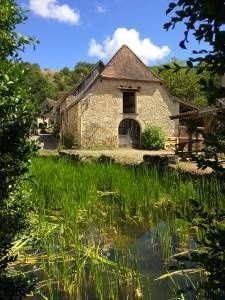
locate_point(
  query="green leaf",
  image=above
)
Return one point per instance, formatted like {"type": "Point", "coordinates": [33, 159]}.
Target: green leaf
{"type": "Point", "coordinates": [189, 64]}
{"type": "Point", "coordinates": [182, 44]}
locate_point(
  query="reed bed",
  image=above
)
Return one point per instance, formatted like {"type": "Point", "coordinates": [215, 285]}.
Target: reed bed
{"type": "Point", "coordinates": [90, 220]}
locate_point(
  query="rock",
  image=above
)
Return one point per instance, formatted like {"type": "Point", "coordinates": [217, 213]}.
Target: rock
{"type": "Point", "coordinates": [106, 159]}
{"type": "Point", "coordinates": [160, 160]}
{"type": "Point", "coordinates": [71, 156]}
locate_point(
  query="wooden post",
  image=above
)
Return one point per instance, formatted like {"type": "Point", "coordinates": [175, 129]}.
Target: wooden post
{"type": "Point", "coordinates": [190, 142]}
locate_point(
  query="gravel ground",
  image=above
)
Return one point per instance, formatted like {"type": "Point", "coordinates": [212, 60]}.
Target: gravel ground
{"type": "Point", "coordinates": [191, 167]}
{"type": "Point", "coordinates": [128, 156]}
{"type": "Point", "coordinates": [124, 156]}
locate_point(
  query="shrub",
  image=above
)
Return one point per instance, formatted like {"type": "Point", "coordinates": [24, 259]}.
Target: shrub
{"type": "Point", "coordinates": [153, 138]}
{"type": "Point", "coordinates": [16, 117]}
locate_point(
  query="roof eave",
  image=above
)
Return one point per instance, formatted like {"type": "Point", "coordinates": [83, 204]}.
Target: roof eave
{"type": "Point", "coordinates": [83, 94]}
{"type": "Point", "coordinates": [78, 84]}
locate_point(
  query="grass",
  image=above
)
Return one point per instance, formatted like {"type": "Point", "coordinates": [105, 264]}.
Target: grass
{"type": "Point", "coordinates": [88, 220]}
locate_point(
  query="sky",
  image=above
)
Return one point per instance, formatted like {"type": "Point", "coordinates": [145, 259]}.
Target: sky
{"type": "Point", "coordinates": [70, 31]}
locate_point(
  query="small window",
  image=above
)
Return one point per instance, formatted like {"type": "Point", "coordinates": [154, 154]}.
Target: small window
{"type": "Point", "coordinates": [128, 102]}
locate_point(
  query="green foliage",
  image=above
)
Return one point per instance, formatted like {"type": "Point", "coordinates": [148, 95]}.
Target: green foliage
{"type": "Point", "coordinates": [38, 85]}
{"type": "Point", "coordinates": [15, 150]}
{"type": "Point", "coordinates": [51, 84]}
{"type": "Point", "coordinates": [65, 79]}
{"type": "Point", "coordinates": [71, 199]}
{"type": "Point", "coordinates": [205, 19]}
{"type": "Point", "coordinates": [81, 70]}
{"type": "Point", "coordinates": [153, 138]}
{"type": "Point", "coordinates": [209, 229]}
{"type": "Point", "coordinates": [11, 15]}
{"type": "Point", "coordinates": [183, 84]}
{"type": "Point", "coordinates": [215, 145]}
{"type": "Point", "coordinates": [186, 84]}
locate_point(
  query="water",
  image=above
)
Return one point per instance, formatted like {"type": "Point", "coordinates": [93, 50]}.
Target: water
{"type": "Point", "coordinates": [144, 252]}
{"type": "Point", "coordinates": [107, 232]}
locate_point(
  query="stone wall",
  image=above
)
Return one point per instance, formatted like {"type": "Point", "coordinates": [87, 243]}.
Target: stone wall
{"type": "Point", "coordinates": [70, 124]}
{"type": "Point", "coordinates": [97, 117]}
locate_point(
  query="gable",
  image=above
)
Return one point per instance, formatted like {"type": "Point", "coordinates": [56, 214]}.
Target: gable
{"type": "Point", "coordinates": [126, 65]}
{"type": "Point", "coordinates": [47, 105]}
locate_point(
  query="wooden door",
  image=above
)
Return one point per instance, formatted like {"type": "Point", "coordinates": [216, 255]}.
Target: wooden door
{"type": "Point", "coordinates": [129, 134]}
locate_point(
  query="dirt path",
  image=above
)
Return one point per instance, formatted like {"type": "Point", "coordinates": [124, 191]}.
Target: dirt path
{"type": "Point", "coordinates": [133, 156]}
{"type": "Point", "coordinates": [47, 141]}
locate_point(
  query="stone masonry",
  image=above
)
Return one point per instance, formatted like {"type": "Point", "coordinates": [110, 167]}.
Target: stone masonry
{"type": "Point", "coordinates": [94, 121]}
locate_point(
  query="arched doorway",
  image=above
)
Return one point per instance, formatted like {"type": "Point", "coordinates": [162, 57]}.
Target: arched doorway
{"type": "Point", "coordinates": [129, 133]}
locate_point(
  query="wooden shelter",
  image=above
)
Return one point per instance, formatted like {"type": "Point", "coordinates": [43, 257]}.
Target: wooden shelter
{"type": "Point", "coordinates": [190, 142]}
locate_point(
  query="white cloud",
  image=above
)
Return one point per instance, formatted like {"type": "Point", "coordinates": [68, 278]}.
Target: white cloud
{"type": "Point", "coordinates": [143, 48]}
{"type": "Point", "coordinates": [53, 10]}
{"type": "Point", "coordinates": [100, 9]}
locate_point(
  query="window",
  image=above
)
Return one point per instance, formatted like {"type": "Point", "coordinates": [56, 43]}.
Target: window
{"type": "Point", "coordinates": [129, 102]}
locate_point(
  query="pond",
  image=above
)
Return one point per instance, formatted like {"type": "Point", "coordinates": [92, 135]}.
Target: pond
{"type": "Point", "coordinates": [107, 231]}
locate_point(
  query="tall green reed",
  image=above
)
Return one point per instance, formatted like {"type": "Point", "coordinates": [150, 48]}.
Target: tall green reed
{"type": "Point", "coordinates": [86, 211]}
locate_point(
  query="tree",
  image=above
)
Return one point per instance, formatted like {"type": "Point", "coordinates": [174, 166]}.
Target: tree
{"type": "Point", "coordinates": [38, 85]}
{"type": "Point", "coordinates": [50, 84]}
{"type": "Point", "coordinates": [206, 19]}
{"type": "Point", "coordinates": [81, 70]}
{"type": "Point", "coordinates": [208, 258]}
{"type": "Point", "coordinates": [15, 150]}
{"type": "Point", "coordinates": [184, 85]}
{"type": "Point", "coordinates": [65, 79]}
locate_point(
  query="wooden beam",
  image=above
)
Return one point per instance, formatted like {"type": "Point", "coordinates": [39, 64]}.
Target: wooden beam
{"type": "Point", "coordinates": [199, 113]}
{"type": "Point", "coordinates": [129, 88]}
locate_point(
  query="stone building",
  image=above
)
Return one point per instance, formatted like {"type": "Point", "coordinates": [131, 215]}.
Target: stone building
{"type": "Point", "coordinates": [112, 106]}
{"type": "Point", "coordinates": [46, 113]}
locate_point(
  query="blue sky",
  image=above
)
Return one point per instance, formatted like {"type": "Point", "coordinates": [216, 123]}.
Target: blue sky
{"type": "Point", "coordinates": [87, 30]}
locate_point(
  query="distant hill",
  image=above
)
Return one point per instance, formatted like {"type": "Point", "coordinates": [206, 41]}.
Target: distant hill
{"type": "Point", "coordinates": [49, 73]}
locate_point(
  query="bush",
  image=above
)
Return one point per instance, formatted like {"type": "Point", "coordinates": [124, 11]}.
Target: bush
{"type": "Point", "coordinates": [16, 117]}
{"type": "Point", "coordinates": [153, 138]}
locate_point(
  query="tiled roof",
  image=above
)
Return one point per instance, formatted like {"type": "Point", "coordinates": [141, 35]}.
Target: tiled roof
{"type": "Point", "coordinates": [126, 65]}
{"type": "Point", "coordinates": [84, 84]}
